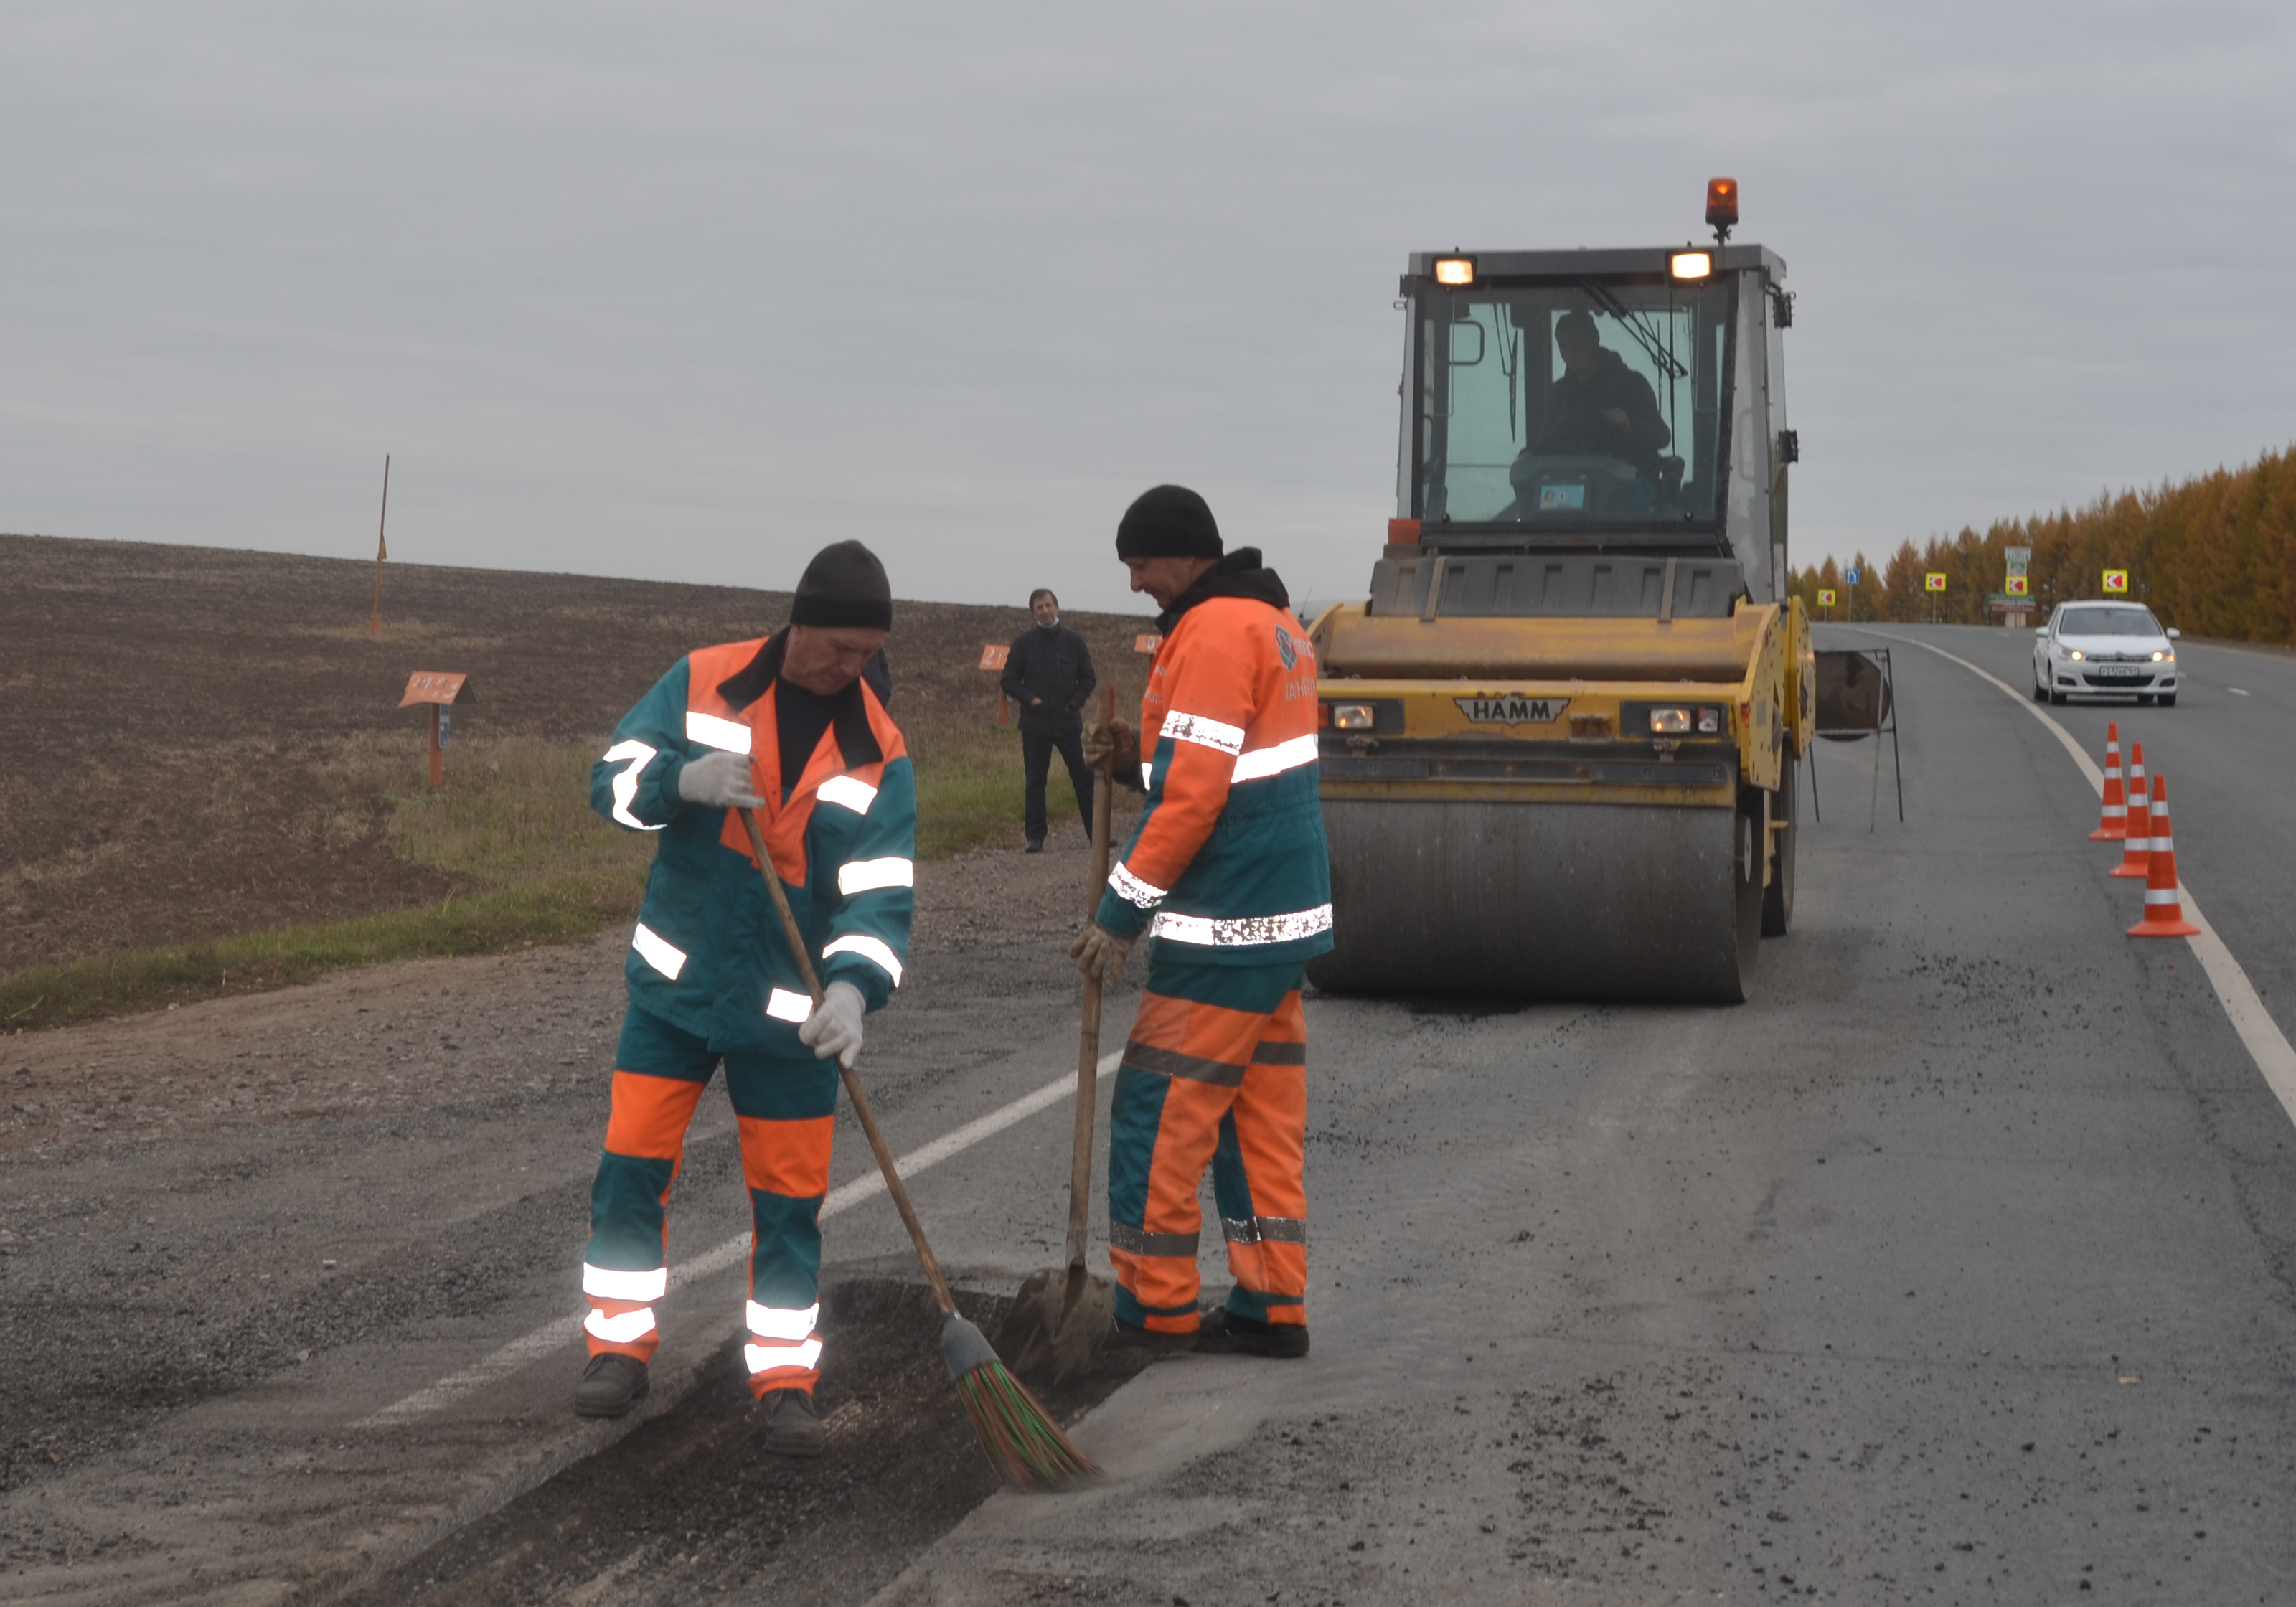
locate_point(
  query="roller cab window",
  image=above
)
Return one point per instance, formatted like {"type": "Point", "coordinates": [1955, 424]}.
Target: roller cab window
{"type": "Point", "coordinates": [1573, 405]}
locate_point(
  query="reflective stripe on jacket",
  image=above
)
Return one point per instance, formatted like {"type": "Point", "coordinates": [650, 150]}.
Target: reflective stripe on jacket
{"type": "Point", "coordinates": [1229, 861]}
{"type": "Point", "coordinates": [708, 955]}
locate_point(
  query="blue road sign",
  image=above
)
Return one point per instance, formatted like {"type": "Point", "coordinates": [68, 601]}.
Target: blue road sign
{"type": "Point", "coordinates": [1851, 577]}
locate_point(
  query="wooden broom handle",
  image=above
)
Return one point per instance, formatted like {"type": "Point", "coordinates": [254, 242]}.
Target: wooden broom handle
{"type": "Point", "coordinates": [893, 1184]}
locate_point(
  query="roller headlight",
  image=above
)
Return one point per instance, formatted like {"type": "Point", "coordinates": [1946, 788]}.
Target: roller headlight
{"type": "Point", "coordinates": [1351, 716]}
{"type": "Point", "coordinates": [1670, 722]}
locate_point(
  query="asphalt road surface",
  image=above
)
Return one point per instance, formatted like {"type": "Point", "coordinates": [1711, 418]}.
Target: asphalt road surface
{"type": "Point", "coordinates": [1955, 1268]}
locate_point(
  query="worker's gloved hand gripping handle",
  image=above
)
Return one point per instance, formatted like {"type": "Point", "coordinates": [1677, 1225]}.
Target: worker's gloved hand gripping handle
{"type": "Point", "coordinates": [719, 780]}
{"type": "Point", "coordinates": [1100, 953]}
{"type": "Point", "coordinates": [834, 1027]}
{"type": "Point", "coordinates": [1112, 746]}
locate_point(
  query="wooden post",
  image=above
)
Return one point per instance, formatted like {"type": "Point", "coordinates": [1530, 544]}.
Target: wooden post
{"type": "Point", "coordinates": [374, 620]}
{"type": "Point", "coordinates": [438, 753]}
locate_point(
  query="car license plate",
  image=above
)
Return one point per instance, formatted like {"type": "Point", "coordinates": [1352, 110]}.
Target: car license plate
{"type": "Point", "coordinates": [2116, 675]}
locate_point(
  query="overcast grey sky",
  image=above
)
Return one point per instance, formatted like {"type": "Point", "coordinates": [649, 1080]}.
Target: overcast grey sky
{"type": "Point", "coordinates": [683, 291]}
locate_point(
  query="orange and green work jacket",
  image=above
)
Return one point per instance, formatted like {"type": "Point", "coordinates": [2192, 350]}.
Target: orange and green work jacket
{"type": "Point", "coordinates": [1228, 865]}
{"type": "Point", "coordinates": [708, 955]}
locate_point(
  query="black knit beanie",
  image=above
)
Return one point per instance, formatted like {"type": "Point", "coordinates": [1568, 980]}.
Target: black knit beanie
{"type": "Point", "coordinates": [1168, 521]}
{"type": "Point", "coordinates": [844, 587]}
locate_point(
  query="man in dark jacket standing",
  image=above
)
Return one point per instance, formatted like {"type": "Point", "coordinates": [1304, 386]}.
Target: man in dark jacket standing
{"type": "Point", "coordinates": [1048, 675]}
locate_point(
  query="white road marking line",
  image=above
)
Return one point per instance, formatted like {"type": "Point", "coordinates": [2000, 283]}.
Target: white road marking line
{"type": "Point", "coordinates": [562, 1331]}
{"type": "Point", "coordinates": [2267, 1044]}
{"type": "Point", "coordinates": [2238, 691]}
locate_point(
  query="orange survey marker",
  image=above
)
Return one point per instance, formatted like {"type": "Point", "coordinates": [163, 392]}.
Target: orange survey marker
{"type": "Point", "coordinates": [441, 691]}
{"type": "Point", "coordinates": [2164, 907]}
{"type": "Point", "coordinates": [993, 657]}
{"type": "Point", "coordinates": [2112, 825]}
{"type": "Point", "coordinates": [2137, 847]}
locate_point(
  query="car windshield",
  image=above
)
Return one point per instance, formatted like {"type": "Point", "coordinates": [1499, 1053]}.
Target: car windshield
{"type": "Point", "coordinates": [2123, 619]}
{"type": "Point", "coordinates": [1561, 404]}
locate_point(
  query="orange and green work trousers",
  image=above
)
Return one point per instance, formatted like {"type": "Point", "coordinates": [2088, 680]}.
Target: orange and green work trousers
{"type": "Point", "coordinates": [786, 1110]}
{"type": "Point", "coordinates": [1215, 1072]}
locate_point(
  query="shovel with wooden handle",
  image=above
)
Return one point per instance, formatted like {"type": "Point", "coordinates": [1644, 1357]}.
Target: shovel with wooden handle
{"type": "Point", "coordinates": [1063, 1314]}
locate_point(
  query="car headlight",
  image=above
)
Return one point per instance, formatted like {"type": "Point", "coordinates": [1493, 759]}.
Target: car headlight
{"type": "Point", "coordinates": [2074, 654]}
{"type": "Point", "coordinates": [2158, 655]}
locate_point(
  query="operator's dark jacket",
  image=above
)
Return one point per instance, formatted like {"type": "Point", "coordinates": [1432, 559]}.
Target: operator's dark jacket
{"type": "Point", "coordinates": [1575, 407]}
{"type": "Point", "coordinates": [1053, 665]}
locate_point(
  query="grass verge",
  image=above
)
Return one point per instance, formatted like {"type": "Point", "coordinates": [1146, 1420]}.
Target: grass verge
{"type": "Point", "coordinates": [546, 912]}
{"type": "Point", "coordinates": [533, 865]}
{"type": "Point", "coordinates": [969, 794]}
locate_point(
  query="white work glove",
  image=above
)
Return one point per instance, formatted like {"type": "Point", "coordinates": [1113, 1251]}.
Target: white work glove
{"type": "Point", "coordinates": [834, 1027]}
{"type": "Point", "coordinates": [720, 780]}
{"type": "Point", "coordinates": [1099, 952]}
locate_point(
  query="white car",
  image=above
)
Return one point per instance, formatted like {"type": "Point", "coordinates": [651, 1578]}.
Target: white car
{"type": "Point", "coordinates": [2104, 647]}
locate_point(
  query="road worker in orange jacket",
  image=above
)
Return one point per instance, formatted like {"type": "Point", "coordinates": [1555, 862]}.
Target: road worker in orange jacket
{"type": "Point", "coordinates": [1228, 875]}
{"type": "Point", "coordinates": [794, 728]}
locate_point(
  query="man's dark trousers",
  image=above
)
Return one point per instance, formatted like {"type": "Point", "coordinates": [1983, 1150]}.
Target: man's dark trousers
{"type": "Point", "coordinates": [1037, 750]}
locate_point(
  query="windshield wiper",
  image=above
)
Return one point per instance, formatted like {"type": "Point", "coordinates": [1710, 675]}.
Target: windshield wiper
{"type": "Point", "coordinates": [1645, 336]}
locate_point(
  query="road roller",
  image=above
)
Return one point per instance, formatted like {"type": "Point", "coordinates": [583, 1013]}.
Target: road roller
{"type": "Point", "coordinates": [1559, 740]}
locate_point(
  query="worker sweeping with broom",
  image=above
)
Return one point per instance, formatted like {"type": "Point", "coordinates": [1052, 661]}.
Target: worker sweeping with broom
{"type": "Point", "coordinates": [782, 741]}
{"type": "Point", "coordinates": [1228, 875]}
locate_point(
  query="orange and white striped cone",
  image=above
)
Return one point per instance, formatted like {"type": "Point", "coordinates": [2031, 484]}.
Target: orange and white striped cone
{"type": "Point", "coordinates": [2164, 907]}
{"type": "Point", "coordinates": [2137, 847]}
{"type": "Point", "coordinates": [2112, 824]}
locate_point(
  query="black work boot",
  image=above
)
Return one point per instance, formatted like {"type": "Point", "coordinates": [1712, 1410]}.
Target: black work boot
{"type": "Point", "coordinates": [1124, 1336]}
{"type": "Point", "coordinates": [793, 1427]}
{"type": "Point", "coordinates": [612, 1385]}
{"type": "Point", "coordinates": [1223, 1333]}
{"type": "Point", "coordinates": [1036, 846]}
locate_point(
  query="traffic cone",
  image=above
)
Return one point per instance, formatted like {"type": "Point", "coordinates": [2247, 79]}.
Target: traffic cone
{"type": "Point", "coordinates": [2136, 847]}
{"type": "Point", "coordinates": [2164, 909]}
{"type": "Point", "coordinates": [2112, 825]}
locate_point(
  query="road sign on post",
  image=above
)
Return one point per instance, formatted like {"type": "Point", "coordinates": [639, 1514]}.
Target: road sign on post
{"type": "Point", "coordinates": [2014, 585]}
{"type": "Point", "coordinates": [993, 657]}
{"type": "Point", "coordinates": [2016, 560]}
{"type": "Point", "coordinates": [1933, 582]}
{"type": "Point", "coordinates": [1825, 600]}
{"type": "Point", "coordinates": [442, 691]}
{"type": "Point", "coordinates": [2116, 580]}
{"type": "Point", "coordinates": [1147, 642]}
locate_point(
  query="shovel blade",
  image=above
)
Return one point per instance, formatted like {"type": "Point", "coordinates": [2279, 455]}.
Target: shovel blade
{"type": "Point", "coordinates": [1058, 1323]}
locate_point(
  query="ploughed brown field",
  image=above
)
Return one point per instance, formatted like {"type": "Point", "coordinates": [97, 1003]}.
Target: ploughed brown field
{"type": "Point", "coordinates": [200, 740]}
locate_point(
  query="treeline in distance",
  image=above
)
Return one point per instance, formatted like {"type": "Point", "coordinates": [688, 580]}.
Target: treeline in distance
{"type": "Point", "coordinates": [2215, 556]}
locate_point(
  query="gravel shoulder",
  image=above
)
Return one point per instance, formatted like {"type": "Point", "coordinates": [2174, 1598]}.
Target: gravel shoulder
{"type": "Point", "coordinates": [230, 1232]}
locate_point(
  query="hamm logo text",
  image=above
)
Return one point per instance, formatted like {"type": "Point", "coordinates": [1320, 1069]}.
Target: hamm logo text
{"type": "Point", "coordinates": [1512, 711]}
